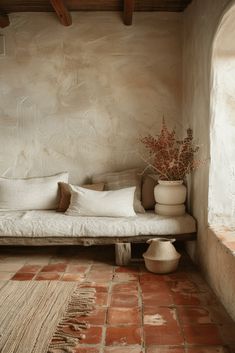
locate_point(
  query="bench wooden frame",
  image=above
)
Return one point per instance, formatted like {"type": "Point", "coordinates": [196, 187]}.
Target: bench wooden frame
{"type": "Point", "coordinates": [122, 244]}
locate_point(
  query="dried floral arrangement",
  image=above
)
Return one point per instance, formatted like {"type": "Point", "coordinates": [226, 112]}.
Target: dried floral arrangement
{"type": "Point", "coordinates": [169, 157]}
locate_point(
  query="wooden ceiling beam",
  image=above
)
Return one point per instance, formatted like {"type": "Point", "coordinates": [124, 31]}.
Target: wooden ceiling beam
{"type": "Point", "coordinates": [4, 21]}
{"type": "Point", "coordinates": [128, 12]}
{"type": "Point", "coordinates": [62, 12]}
{"type": "Point", "coordinates": [8, 6]}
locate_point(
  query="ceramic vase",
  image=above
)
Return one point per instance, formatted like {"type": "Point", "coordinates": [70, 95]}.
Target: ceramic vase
{"type": "Point", "coordinates": [161, 256]}
{"type": "Point", "coordinates": [170, 197]}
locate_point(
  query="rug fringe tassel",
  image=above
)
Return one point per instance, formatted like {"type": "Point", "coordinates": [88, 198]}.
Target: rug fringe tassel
{"type": "Point", "coordinates": [81, 303]}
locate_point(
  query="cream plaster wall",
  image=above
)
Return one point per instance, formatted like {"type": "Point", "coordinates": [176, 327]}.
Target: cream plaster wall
{"type": "Point", "coordinates": [201, 21]}
{"type": "Point", "coordinates": [77, 98]}
{"type": "Point", "coordinates": [222, 170]}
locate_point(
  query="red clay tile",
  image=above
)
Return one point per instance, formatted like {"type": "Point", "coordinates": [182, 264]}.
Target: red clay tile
{"type": "Point", "coordinates": [79, 261]}
{"type": "Point", "coordinates": [59, 267]}
{"type": "Point", "coordinates": [101, 299]}
{"type": "Point", "coordinates": [23, 276]}
{"type": "Point", "coordinates": [208, 298]}
{"type": "Point", "coordinates": [207, 349]}
{"type": "Point", "coordinates": [220, 316]}
{"type": "Point", "coordinates": [101, 271]}
{"type": "Point", "coordinates": [72, 277]}
{"type": "Point", "coordinates": [30, 268]}
{"type": "Point", "coordinates": [165, 349]}
{"type": "Point", "coordinates": [102, 267]}
{"type": "Point", "coordinates": [76, 269]}
{"type": "Point", "coordinates": [127, 269]}
{"type": "Point", "coordinates": [185, 286]}
{"type": "Point", "coordinates": [160, 316]}
{"type": "Point", "coordinates": [121, 316]}
{"type": "Point", "coordinates": [129, 287]}
{"type": "Point", "coordinates": [176, 276]}
{"type": "Point", "coordinates": [99, 287]}
{"type": "Point", "coordinates": [198, 310]}
{"type": "Point", "coordinates": [124, 277]}
{"type": "Point", "coordinates": [93, 335]}
{"type": "Point", "coordinates": [126, 349]}
{"type": "Point", "coordinates": [143, 269]}
{"type": "Point", "coordinates": [186, 298]}
{"type": "Point", "coordinates": [200, 283]}
{"type": "Point", "coordinates": [148, 278]}
{"type": "Point", "coordinates": [161, 327]}
{"type": "Point", "coordinates": [163, 335]}
{"type": "Point", "coordinates": [195, 315]}
{"type": "Point", "coordinates": [47, 276]}
{"type": "Point", "coordinates": [157, 298]}
{"type": "Point", "coordinates": [86, 350]}
{"type": "Point", "coordinates": [99, 277]}
{"type": "Point", "coordinates": [202, 334]}
{"type": "Point", "coordinates": [124, 300]}
{"type": "Point", "coordinates": [155, 287]}
{"type": "Point", "coordinates": [97, 317]}
{"type": "Point", "coordinates": [123, 335]}
{"type": "Point", "coordinates": [228, 333]}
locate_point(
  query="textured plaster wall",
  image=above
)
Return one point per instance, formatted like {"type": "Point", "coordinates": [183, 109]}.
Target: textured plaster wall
{"type": "Point", "coordinates": [201, 21]}
{"type": "Point", "coordinates": [222, 170]}
{"type": "Point", "coordinates": [77, 98]}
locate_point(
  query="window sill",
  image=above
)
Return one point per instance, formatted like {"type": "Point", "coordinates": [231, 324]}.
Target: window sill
{"type": "Point", "coordinates": [226, 235]}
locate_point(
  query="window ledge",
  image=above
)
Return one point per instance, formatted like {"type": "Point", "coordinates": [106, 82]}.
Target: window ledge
{"type": "Point", "coordinates": [226, 235]}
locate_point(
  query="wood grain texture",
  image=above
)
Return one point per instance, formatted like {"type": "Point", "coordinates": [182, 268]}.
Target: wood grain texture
{"type": "Point", "coordinates": [94, 5]}
{"type": "Point", "coordinates": [122, 254]}
{"type": "Point", "coordinates": [4, 21]}
{"type": "Point", "coordinates": [88, 241]}
{"type": "Point", "coordinates": [62, 12]}
{"type": "Point", "coordinates": [128, 12]}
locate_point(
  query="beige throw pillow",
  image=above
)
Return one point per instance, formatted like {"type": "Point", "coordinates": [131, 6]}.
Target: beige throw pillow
{"type": "Point", "coordinates": [148, 200]}
{"type": "Point", "coordinates": [65, 194]}
{"type": "Point", "coordinates": [121, 180]}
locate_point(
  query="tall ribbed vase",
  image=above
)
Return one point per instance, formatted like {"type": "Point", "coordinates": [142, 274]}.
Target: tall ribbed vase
{"type": "Point", "coordinates": [170, 197]}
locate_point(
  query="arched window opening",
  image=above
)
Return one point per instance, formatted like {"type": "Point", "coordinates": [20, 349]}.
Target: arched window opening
{"type": "Point", "coordinates": [222, 132]}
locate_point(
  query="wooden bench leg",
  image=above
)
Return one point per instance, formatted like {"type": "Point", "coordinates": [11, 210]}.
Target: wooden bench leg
{"type": "Point", "coordinates": [122, 253]}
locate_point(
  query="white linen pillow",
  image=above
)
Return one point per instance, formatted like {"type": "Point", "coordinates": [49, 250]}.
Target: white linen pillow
{"type": "Point", "coordinates": [123, 179]}
{"type": "Point", "coordinates": [115, 203]}
{"type": "Point", "coordinates": [31, 193]}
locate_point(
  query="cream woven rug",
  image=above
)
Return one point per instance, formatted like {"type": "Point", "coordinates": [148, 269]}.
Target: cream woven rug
{"type": "Point", "coordinates": [34, 316]}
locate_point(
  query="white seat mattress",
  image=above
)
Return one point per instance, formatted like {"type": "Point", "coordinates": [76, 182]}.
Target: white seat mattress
{"type": "Point", "coordinates": [45, 224]}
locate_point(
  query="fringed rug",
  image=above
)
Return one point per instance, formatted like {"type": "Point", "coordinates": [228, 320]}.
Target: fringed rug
{"type": "Point", "coordinates": [43, 317]}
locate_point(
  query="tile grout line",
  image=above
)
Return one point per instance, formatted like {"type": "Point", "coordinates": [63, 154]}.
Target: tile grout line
{"type": "Point", "coordinates": [104, 327]}
{"type": "Point", "coordinates": [141, 308]}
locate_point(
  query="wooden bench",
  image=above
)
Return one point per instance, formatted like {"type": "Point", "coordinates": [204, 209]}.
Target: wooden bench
{"type": "Point", "coordinates": [45, 228]}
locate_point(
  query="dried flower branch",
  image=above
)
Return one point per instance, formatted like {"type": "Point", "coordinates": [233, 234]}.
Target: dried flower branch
{"type": "Point", "coordinates": [169, 157]}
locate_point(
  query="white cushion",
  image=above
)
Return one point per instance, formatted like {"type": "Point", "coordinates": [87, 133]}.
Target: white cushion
{"type": "Point", "coordinates": [51, 227]}
{"type": "Point", "coordinates": [31, 193]}
{"type": "Point", "coordinates": [121, 180]}
{"type": "Point", "coordinates": [116, 203]}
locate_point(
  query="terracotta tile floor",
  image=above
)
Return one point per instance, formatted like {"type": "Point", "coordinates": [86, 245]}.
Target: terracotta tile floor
{"type": "Point", "coordinates": [136, 311]}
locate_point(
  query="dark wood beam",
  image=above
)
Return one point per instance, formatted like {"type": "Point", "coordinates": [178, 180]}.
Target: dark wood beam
{"type": "Point", "coordinates": [8, 6]}
{"type": "Point", "coordinates": [128, 12]}
{"type": "Point", "coordinates": [62, 12]}
{"type": "Point", "coordinates": [4, 21]}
